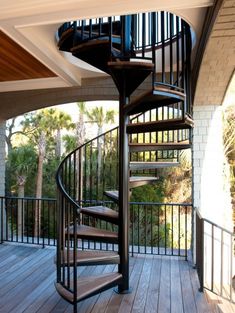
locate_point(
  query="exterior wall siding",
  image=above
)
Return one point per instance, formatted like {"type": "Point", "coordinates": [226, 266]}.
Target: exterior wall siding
{"type": "Point", "coordinates": [211, 188]}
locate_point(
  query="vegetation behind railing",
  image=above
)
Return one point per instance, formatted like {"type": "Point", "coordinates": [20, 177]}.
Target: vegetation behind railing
{"type": "Point", "coordinates": [155, 228]}
{"type": "Point", "coordinates": [18, 217]}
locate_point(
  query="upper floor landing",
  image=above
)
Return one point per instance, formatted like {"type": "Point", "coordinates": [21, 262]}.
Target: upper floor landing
{"type": "Point", "coordinates": [35, 74]}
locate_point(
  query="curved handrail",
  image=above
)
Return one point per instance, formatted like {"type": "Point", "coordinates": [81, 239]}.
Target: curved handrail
{"type": "Point", "coordinates": [58, 177]}
{"type": "Point", "coordinates": [141, 29]}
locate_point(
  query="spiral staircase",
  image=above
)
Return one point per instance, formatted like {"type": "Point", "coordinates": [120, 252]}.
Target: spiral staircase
{"type": "Point", "coordinates": [154, 48]}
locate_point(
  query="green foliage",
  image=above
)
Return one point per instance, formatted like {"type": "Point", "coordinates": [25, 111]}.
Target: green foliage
{"type": "Point", "coordinates": [21, 168]}
{"type": "Point", "coordinates": [101, 117]}
{"type": "Point", "coordinates": [149, 193]}
{"type": "Point", "coordinates": [42, 128]}
{"type": "Point", "coordinates": [70, 143]}
{"type": "Point", "coordinates": [49, 183]}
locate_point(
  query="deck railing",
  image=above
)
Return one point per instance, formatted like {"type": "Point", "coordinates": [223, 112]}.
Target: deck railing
{"type": "Point", "coordinates": [215, 257]}
{"type": "Point", "coordinates": [155, 228]}
{"type": "Point", "coordinates": [18, 220]}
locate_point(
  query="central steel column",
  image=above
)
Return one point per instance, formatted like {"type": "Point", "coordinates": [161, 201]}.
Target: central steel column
{"type": "Point", "coordinates": [123, 193]}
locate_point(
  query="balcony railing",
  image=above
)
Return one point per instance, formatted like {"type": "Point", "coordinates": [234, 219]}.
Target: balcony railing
{"type": "Point", "coordinates": [18, 220]}
{"type": "Point", "coordinates": [155, 228]}
{"type": "Point", "coordinates": [215, 258]}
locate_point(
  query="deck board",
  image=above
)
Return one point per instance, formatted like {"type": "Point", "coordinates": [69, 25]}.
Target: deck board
{"type": "Point", "coordinates": [159, 284]}
{"type": "Point", "coordinates": [187, 291]}
{"type": "Point", "coordinates": [164, 303]}
{"type": "Point", "coordinates": [176, 293]}
{"type": "Point", "coordinates": [154, 286]}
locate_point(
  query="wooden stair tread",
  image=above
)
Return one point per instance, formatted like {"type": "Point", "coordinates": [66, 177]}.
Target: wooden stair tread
{"type": "Point", "coordinates": [90, 257]}
{"type": "Point", "coordinates": [89, 286]}
{"type": "Point", "coordinates": [101, 212]}
{"type": "Point", "coordinates": [137, 181]}
{"type": "Point", "coordinates": [113, 194]}
{"type": "Point", "coordinates": [92, 43]}
{"type": "Point", "coordinates": [131, 65]}
{"type": "Point", "coordinates": [92, 233]}
{"type": "Point", "coordinates": [151, 165]}
{"type": "Point", "coordinates": [135, 147]}
{"type": "Point", "coordinates": [133, 72]}
{"type": "Point", "coordinates": [172, 124]}
{"type": "Point", "coordinates": [154, 98]}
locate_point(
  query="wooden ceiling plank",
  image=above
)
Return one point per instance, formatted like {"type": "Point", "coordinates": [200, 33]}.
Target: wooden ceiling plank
{"type": "Point", "coordinates": [18, 64]}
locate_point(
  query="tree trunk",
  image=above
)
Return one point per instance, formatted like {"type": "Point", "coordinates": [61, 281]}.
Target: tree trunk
{"type": "Point", "coordinates": [58, 144]}
{"type": "Point", "coordinates": [39, 181]}
{"type": "Point", "coordinates": [9, 144]}
{"type": "Point", "coordinates": [99, 156]}
{"type": "Point", "coordinates": [80, 134]}
{"type": "Point", "coordinates": [80, 130]}
{"type": "Point", "coordinates": [20, 212]}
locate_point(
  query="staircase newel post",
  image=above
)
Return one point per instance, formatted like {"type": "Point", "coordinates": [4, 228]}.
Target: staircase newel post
{"type": "Point", "coordinates": [123, 193]}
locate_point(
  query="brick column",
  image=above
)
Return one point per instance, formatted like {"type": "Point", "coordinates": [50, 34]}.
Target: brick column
{"type": "Point", "coordinates": [211, 188]}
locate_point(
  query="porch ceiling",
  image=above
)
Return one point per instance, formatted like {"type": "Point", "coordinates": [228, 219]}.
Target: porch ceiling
{"type": "Point", "coordinates": [218, 62]}
{"type": "Point", "coordinates": [17, 64]}
{"type": "Point", "coordinates": [32, 26]}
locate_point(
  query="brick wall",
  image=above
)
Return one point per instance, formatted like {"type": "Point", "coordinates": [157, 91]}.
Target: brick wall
{"type": "Point", "coordinates": [211, 172]}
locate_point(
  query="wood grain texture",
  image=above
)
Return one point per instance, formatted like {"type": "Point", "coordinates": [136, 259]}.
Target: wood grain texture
{"type": "Point", "coordinates": [159, 284]}
{"type": "Point", "coordinates": [138, 147]}
{"type": "Point", "coordinates": [18, 64]}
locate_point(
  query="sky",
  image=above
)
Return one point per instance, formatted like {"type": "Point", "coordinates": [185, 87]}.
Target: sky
{"type": "Point", "coordinates": [91, 129]}
{"type": "Point", "coordinates": [72, 109]}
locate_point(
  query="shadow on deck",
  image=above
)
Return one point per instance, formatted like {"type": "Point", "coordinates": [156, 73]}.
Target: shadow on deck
{"type": "Point", "coordinates": [160, 284]}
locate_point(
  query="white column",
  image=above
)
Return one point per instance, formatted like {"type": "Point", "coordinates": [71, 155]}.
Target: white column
{"type": "Point", "coordinates": [210, 167]}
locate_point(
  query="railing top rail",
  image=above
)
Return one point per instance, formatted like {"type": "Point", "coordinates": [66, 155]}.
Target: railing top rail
{"type": "Point", "coordinates": [86, 143]}
{"type": "Point", "coordinates": [214, 224]}
{"type": "Point", "coordinates": [27, 198]}
{"type": "Point", "coordinates": [108, 201]}
{"type": "Point", "coordinates": [218, 226]}
{"type": "Point", "coordinates": [162, 203]}
{"type": "Point", "coordinates": [58, 178]}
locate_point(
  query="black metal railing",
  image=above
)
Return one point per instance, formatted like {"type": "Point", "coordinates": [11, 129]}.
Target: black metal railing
{"type": "Point", "coordinates": [93, 168]}
{"type": "Point", "coordinates": [146, 29]}
{"type": "Point", "coordinates": [20, 222]}
{"type": "Point", "coordinates": [160, 37]}
{"type": "Point", "coordinates": [155, 228]}
{"type": "Point", "coordinates": [215, 251]}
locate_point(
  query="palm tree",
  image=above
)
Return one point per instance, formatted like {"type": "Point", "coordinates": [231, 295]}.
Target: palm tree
{"type": "Point", "coordinates": [10, 132]}
{"type": "Point", "coordinates": [21, 163]}
{"type": "Point", "coordinates": [80, 125]}
{"type": "Point", "coordinates": [100, 117]}
{"type": "Point", "coordinates": [61, 121]}
{"type": "Point", "coordinates": [70, 143]}
{"type": "Point", "coordinates": [41, 128]}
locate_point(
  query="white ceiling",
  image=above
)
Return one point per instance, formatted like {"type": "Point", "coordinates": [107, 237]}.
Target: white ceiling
{"type": "Point", "coordinates": [33, 25]}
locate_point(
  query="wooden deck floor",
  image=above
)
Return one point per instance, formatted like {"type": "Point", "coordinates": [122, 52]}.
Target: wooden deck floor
{"type": "Point", "coordinates": [160, 285]}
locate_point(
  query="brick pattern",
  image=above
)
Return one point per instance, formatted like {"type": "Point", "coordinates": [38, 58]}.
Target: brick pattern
{"type": "Point", "coordinates": [210, 169]}
{"type": "Point", "coordinates": [219, 59]}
